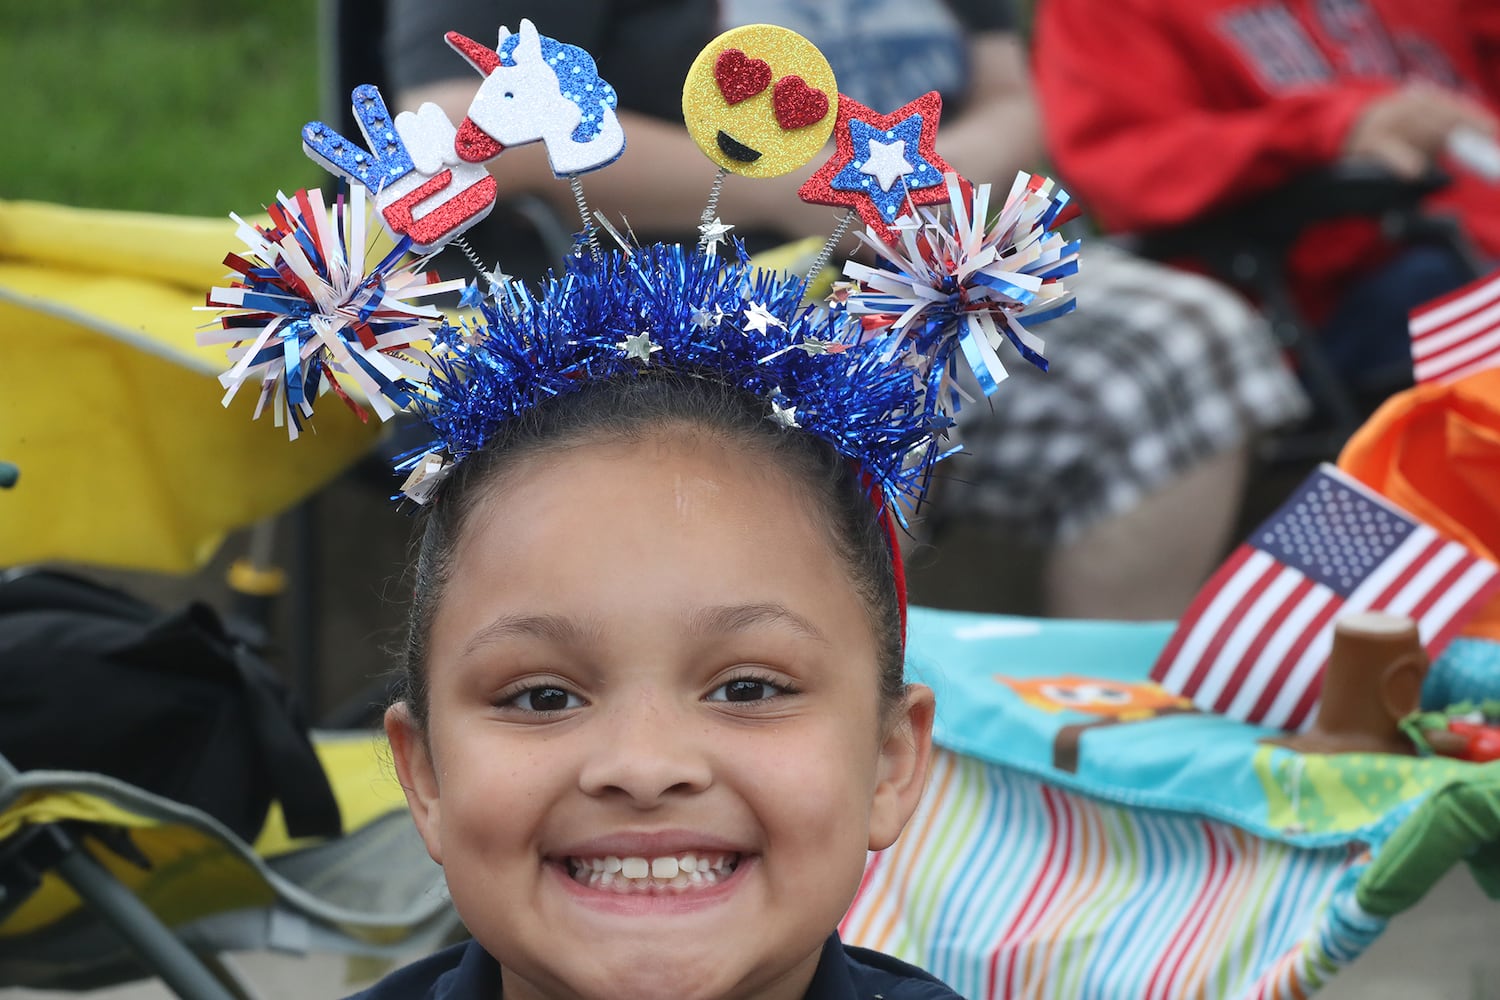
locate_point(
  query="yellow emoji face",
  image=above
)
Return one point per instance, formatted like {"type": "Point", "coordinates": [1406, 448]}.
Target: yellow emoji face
{"type": "Point", "coordinates": [760, 100]}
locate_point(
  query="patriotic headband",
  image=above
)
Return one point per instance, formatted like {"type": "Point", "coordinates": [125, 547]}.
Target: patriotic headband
{"type": "Point", "coordinates": [310, 310]}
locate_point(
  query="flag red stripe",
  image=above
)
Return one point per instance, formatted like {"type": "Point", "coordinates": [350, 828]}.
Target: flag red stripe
{"type": "Point", "coordinates": [1460, 618]}
{"type": "Point", "coordinates": [1262, 639]}
{"type": "Point", "coordinates": [1284, 669]}
{"type": "Point", "coordinates": [1473, 287]}
{"type": "Point", "coordinates": [1201, 601]}
{"type": "Point", "coordinates": [1431, 349]}
{"type": "Point", "coordinates": [1306, 703]}
{"type": "Point", "coordinates": [1411, 569]}
{"type": "Point", "coordinates": [1481, 316]}
{"type": "Point", "coordinates": [1209, 663]}
{"type": "Point", "coordinates": [1424, 605]}
{"type": "Point", "coordinates": [1437, 364]}
{"type": "Point", "coordinates": [1459, 374]}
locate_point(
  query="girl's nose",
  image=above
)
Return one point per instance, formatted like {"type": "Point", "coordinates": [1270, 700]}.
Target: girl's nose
{"type": "Point", "coordinates": [647, 753]}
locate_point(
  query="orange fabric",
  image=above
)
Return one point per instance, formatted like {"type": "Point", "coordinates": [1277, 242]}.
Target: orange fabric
{"type": "Point", "coordinates": [1435, 450]}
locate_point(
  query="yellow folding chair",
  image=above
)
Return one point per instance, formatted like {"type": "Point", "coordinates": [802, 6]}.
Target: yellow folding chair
{"type": "Point", "coordinates": [112, 411]}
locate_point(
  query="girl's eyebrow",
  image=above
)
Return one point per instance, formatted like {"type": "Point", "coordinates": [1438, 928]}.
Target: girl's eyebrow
{"type": "Point", "coordinates": [558, 629]}
{"type": "Point", "coordinates": [562, 630]}
{"type": "Point", "coordinates": [739, 617]}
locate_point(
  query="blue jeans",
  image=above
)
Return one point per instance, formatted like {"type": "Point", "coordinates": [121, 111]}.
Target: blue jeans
{"type": "Point", "coordinates": [1366, 337]}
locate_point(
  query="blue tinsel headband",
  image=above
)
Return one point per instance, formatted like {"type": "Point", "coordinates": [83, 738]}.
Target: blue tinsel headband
{"type": "Point", "coordinates": [664, 306]}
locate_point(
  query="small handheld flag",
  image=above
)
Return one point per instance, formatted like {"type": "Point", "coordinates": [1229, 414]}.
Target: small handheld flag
{"type": "Point", "coordinates": [1255, 640]}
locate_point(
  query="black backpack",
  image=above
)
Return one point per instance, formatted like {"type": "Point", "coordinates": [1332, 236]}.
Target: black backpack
{"type": "Point", "coordinates": [92, 679]}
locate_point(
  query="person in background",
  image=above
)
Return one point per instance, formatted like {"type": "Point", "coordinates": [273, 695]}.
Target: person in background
{"type": "Point", "coordinates": [1159, 112]}
{"type": "Point", "coordinates": [1126, 461]}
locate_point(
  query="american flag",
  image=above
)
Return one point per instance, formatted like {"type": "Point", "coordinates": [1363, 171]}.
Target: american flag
{"type": "Point", "coordinates": [1457, 334]}
{"type": "Point", "coordinates": [1254, 642]}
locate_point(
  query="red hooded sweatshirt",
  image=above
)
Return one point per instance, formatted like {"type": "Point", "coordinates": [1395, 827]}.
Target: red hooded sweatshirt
{"type": "Point", "coordinates": [1160, 111]}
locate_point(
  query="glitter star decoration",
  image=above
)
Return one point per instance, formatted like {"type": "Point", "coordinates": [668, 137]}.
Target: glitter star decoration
{"type": "Point", "coordinates": [882, 163]}
{"type": "Point", "coordinates": [759, 319]}
{"type": "Point", "coordinates": [781, 413]}
{"type": "Point", "coordinates": [495, 277]}
{"type": "Point", "coordinates": [810, 348]}
{"type": "Point", "coordinates": [472, 297]}
{"type": "Point", "coordinates": [887, 161]}
{"type": "Point", "coordinates": [711, 234]}
{"type": "Point", "coordinates": [705, 318]}
{"type": "Point", "coordinates": [639, 346]}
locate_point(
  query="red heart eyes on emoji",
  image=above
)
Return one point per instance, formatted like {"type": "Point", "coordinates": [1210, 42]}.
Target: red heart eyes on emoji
{"type": "Point", "coordinates": [740, 77]}
{"type": "Point", "coordinates": [796, 104]}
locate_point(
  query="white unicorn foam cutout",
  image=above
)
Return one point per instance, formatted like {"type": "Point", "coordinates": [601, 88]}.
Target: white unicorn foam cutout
{"type": "Point", "coordinates": [525, 103]}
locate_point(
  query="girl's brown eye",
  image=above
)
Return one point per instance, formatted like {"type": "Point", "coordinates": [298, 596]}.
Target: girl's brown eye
{"type": "Point", "coordinates": [547, 699]}
{"type": "Point", "coordinates": [543, 699]}
{"type": "Point", "coordinates": [747, 689]}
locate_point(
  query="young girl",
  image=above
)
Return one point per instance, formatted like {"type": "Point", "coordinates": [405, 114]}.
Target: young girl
{"type": "Point", "coordinates": [655, 714]}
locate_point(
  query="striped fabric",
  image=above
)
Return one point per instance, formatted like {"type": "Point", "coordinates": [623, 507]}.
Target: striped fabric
{"type": "Point", "coordinates": [1004, 886]}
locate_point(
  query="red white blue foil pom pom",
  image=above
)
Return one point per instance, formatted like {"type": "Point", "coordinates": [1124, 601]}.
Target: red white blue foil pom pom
{"type": "Point", "coordinates": [309, 313]}
{"type": "Point", "coordinates": [955, 282]}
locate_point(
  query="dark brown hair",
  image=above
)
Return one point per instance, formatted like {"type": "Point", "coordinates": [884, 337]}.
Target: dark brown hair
{"type": "Point", "coordinates": [632, 408]}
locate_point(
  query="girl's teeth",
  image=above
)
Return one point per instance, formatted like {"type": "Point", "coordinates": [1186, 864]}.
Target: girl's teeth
{"type": "Point", "coordinates": [637, 874]}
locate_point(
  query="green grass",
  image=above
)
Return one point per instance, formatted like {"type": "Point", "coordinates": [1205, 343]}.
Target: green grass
{"type": "Point", "coordinates": [179, 106]}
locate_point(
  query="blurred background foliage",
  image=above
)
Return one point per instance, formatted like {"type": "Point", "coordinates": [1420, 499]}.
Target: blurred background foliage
{"type": "Point", "coordinates": [178, 106]}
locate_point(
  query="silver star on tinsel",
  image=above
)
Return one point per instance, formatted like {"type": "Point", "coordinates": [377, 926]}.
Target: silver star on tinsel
{"type": "Point", "coordinates": [786, 416]}
{"type": "Point", "coordinates": [639, 346]}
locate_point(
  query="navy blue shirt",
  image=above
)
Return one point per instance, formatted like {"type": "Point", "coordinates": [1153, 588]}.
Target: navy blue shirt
{"type": "Point", "coordinates": [467, 972]}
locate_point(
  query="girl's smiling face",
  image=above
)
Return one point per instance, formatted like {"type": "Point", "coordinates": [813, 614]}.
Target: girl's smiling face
{"type": "Point", "coordinates": [649, 656]}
